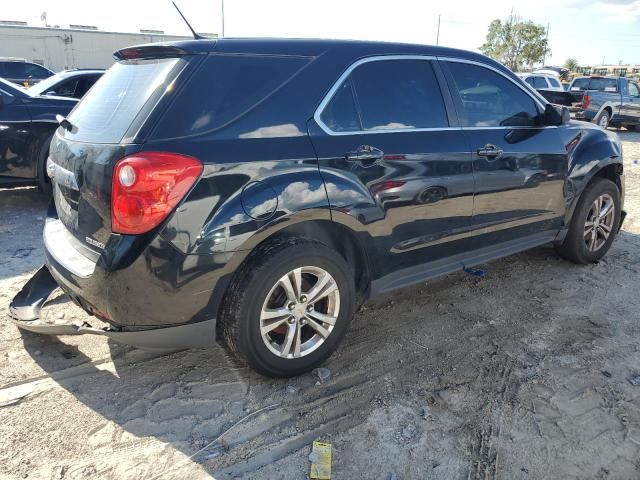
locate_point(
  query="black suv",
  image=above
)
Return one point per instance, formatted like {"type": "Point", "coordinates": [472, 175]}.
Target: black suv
{"type": "Point", "coordinates": [257, 191]}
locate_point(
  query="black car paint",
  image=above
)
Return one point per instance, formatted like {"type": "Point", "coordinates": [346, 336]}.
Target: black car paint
{"type": "Point", "coordinates": [260, 180]}
{"type": "Point", "coordinates": [26, 125]}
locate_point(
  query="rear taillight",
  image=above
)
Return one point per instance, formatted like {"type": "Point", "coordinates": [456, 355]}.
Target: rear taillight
{"type": "Point", "coordinates": [147, 186]}
{"type": "Point", "coordinates": [586, 100]}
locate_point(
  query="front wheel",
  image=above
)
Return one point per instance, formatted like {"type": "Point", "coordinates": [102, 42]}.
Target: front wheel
{"type": "Point", "coordinates": [594, 225]}
{"type": "Point", "coordinates": [288, 307]}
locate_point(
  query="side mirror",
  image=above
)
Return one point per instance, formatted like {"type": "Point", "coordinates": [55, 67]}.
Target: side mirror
{"type": "Point", "coordinates": [556, 115]}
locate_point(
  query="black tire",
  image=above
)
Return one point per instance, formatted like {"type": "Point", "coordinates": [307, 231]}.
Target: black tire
{"type": "Point", "coordinates": [44, 182]}
{"type": "Point", "coordinates": [631, 128]}
{"type": "Point", "coordinates": [574, 246]}
{"type": "Point", "coordinates": [603, 119]}
{"type": "Point", "coordinates": [238, 327]}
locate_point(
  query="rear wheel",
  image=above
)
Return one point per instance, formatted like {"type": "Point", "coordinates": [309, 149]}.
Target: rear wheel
{"type": "Point", "coordinates": [594, 224]}
{"type": "Point", "coordinates": [603, 119]}
{"type": "Point", "coordinates": [44, 183]}
{"type": "Point", "coordinates": [288, 307]}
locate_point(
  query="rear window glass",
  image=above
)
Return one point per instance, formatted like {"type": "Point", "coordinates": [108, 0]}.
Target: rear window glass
{"type": "Point", "coordinates": [554, 82]}
{"type": "Point", "coordinates": [105, 114]}
{"type": "Point", "coordinates": [604, 84]}
{"type": "Point", "coordinates": [600, 84]}
{"type": "Point", "coordinates": [224, 89]}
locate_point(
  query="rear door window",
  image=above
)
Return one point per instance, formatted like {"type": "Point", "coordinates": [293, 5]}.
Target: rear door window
{"type": "Point", "coordinates": [105, 114]}
{"type": "Point", "coordinates": [66, 88]}
{"type": "Point", "coordinates": [490, 100]}
{"type": "Point", "coordinates": [399, 94]}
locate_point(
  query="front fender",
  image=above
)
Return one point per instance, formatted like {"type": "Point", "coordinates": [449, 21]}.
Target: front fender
{"type": "Point", "coordinates": [590, 149]}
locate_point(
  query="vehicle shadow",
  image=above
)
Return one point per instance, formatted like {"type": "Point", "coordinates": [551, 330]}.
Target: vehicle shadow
{"type": "Point", "coordinates": [627, 135]}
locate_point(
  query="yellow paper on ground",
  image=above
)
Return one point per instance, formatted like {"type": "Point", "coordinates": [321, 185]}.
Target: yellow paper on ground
{"type": "Point", "coordinates": [321, 464]}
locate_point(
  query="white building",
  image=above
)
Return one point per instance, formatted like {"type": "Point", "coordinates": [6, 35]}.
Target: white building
{"type": "Point", "coordinates": [76, 47]}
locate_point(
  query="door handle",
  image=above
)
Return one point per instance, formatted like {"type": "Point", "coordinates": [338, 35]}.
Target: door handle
{"type": "Point", "coordinates": [491, 152]}
{"type": "Point", "coordinates": [365, 156]}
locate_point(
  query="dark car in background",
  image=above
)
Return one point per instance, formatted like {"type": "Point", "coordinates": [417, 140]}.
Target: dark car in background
{"type": "Point", "coordinates": [608, 101]}
{"type": "Point", "coordinates": [257, 191]}
{"type": "Point", "coordinates": [68, 83]}
{"type": "Point", "coordinates": [27, 123]}
{"type": "Point", "coordinates": [21, 72]}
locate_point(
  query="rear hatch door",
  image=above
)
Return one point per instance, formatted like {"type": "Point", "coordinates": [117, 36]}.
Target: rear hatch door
{"type": "Point", "coordinates": [108, 124]}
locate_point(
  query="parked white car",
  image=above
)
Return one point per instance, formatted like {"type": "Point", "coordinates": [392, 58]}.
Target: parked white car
{"type": "Point", "coordinates": [542, 81]}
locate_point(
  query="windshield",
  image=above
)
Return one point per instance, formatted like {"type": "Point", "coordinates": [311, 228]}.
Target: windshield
{"type": "Point", "coordinates": [105, 114]}
{"type": "Point", "coordinates": [45, 85]}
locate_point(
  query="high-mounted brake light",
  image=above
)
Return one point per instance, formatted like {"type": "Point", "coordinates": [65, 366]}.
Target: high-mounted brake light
{"type": "Point", "coordinates": [147, 186]}
{"type": "Point", "coordinates": [586, 100]}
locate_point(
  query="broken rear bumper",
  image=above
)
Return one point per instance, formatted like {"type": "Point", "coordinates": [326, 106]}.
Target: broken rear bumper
{"type": "Point", "coordinates": [25, 313]}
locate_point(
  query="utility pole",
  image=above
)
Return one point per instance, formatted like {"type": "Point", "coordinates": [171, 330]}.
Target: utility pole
{"type": "Point", "coordinates": [438, 33]}
{"type": "Point", "coordinates": [222, 18]}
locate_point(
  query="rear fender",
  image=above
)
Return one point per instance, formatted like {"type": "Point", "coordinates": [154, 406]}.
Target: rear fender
{"type": "Point", "coordinates": [599, 108]}
{"type": "Point", "coordinates": [258, 209]}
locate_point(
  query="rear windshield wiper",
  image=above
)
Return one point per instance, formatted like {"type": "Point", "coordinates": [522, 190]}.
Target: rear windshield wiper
{"type": "Point", "coordinates": [66, 124]}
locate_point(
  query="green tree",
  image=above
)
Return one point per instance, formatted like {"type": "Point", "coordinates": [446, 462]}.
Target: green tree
{"type": "Point", "coordinates": [571, 64]}
{"type": "Point", "coordinates": [516, 43]}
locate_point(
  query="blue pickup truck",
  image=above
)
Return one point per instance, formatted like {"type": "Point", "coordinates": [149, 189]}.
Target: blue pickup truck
{"type": "Point", "coordinates": [607, 101]}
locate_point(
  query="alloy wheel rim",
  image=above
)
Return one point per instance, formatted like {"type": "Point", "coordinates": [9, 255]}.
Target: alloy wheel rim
{"type": "Point", "coordinates": [299, 312]}
{"type": "Point", "coordinates": [604, 122]}
{"type": "Point", "coordinates": [599, 223]}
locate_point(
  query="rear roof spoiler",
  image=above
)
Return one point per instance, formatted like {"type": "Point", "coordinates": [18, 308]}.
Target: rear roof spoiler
{"type": "Point", "coordinates": [142, 52]}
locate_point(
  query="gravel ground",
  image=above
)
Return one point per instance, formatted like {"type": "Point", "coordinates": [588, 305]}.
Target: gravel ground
{"type": "Point", "coordinates": [526, 373]}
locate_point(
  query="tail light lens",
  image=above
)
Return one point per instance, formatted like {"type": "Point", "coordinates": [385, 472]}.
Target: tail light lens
{"type": "Point", "coordinates": [586, 100]}
{"type": "Point", "coordinates": [146, 187]}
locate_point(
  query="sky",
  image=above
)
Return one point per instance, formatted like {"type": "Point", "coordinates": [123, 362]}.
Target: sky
{"type": "Point", "coordinates": [592, 31]}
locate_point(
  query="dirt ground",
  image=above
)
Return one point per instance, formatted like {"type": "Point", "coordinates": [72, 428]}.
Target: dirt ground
{"type": "Point", "coordinates": [525, 373]}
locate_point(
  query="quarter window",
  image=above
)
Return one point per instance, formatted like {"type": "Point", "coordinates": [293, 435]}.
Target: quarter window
{"type": "Point", "coordinates": [340, 114]}
{"type": "Point", "coordinates": [491, 100]}
{"type": "Point", "coordinates": [633, 90]}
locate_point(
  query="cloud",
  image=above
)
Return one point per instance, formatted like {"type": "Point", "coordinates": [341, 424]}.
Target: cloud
{"type": "Point", "coordinates": [621, 11]}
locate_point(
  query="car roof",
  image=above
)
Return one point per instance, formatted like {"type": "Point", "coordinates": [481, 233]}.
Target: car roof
{"type": "Point", "coordinates": [314, 47]}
